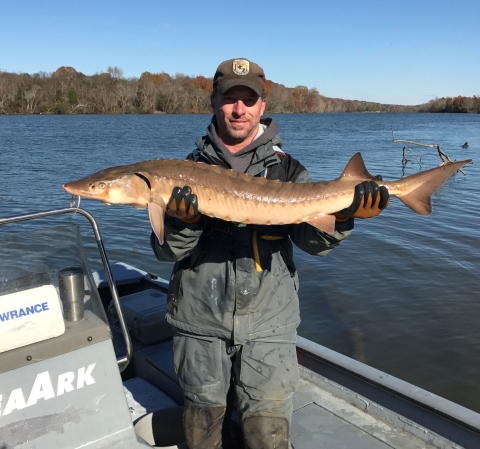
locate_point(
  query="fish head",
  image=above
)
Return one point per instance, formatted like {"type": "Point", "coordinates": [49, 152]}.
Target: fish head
{"type": "Point", "coordinates": [112, 186]}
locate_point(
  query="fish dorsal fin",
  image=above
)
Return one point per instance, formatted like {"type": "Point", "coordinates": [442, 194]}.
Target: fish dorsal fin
{"type": "Point", "coordinates": [325, 223]}
{"type": "Point", "coordinates": [356, 169]}
{"type": "Point", "coordinates": [156, 213]}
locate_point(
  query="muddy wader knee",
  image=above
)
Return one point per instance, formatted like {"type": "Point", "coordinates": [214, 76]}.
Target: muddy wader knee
{"type": "Point", "coordinates": [265, 432]}
{"type": "Point", "coordinates": [203, 426]}
{"type": "Point", "coordinates": [267, 377]}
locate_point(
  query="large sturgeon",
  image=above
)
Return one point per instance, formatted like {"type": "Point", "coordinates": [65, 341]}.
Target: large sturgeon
{"type": "Point", "coordinates": [242, 198]}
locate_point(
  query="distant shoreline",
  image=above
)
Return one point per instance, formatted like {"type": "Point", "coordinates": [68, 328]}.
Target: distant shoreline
{"type": "Point", "coordinates": [209, 113]}
{"type": "Point", "coordinates": [67, 91]}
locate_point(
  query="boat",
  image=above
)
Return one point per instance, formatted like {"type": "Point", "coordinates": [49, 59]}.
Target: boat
{"type": "Point", "coordinates": [86, 361]}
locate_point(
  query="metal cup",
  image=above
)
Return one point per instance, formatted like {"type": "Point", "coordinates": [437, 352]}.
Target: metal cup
{"type": "Point", "coordinates": [71, 285]}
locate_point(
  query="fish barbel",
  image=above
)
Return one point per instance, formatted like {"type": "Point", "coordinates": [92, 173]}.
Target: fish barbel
{"type": "Point", "coordinates": [241, 198]}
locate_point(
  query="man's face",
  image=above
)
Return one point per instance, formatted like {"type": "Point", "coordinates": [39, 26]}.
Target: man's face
{"type": "Point", "coordinates": [238, 113]}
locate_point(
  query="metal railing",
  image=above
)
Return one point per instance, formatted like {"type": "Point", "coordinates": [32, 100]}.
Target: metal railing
{"type": "Point", "coordinates": [121, 361]}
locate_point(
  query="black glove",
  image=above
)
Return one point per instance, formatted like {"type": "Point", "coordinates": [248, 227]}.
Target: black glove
{"type": "Point", "coordinates": [369, 201]}
{"type": "Point", "coordinates": [183, 204]}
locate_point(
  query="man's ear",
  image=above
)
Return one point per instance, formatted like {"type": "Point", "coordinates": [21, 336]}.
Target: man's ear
{"type": "Point", "coordinates": [264, 104]}
{"type": "Point", "coordinates": [212, 101]}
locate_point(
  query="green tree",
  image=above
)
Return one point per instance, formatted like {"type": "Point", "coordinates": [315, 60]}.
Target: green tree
{"type": "Point", "coordinates": [72, 95]}
{"type": "Point", "coordinates": [59, 95]}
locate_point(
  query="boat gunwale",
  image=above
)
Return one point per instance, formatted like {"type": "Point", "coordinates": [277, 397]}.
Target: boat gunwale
{"type": "Point", "coordinates": [386, 394]}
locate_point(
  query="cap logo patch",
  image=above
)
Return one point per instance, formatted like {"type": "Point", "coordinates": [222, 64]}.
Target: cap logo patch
{"type": "Point", "coordinates": [241, 67]}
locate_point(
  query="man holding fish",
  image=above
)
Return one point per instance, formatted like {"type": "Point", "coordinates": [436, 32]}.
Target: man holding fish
{"type": "Point", "coordinates": [233, 293]}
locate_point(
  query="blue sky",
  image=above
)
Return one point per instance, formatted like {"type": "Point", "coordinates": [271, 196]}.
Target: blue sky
{"type": "Point", "coordinates": [403, 52]}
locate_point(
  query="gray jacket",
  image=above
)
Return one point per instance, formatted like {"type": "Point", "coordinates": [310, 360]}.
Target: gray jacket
{"type": "Point", "coordinates": [239, 281]}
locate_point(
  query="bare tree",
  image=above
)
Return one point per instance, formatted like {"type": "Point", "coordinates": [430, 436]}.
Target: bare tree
{"type": "Point", "coordinates": [171, 96]}
{"type": "Point", "coordinates": [31, 99]}
{"type": "Point", "coordinates": [115, 72]}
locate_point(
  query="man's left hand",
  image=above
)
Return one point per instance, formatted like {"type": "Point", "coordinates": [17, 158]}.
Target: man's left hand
{"type": "Point", "coordinates": [369, 201]}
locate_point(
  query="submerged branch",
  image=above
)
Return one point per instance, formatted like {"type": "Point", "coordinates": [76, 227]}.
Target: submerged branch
{"type": "Point", "coordinates": [444, 157]}
{"type": "Point", "coordinates": [405, 160]}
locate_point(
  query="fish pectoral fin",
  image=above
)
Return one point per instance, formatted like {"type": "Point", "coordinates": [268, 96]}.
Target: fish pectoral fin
{"type": "Point", "coordinates": [156, 213]}
{"type": "Point", "coordinates": [325, 223]}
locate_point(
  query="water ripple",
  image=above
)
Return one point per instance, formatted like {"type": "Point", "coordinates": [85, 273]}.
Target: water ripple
{"type": "Point", "coordinates": [400, 294]}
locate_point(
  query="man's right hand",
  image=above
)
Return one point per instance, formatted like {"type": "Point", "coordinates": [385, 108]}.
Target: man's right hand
{"type": "Point", "coordinates": [183, 204]}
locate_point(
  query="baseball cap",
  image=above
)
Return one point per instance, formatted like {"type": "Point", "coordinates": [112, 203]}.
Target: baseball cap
{"type": "Point", "coordinates": [239, 72]}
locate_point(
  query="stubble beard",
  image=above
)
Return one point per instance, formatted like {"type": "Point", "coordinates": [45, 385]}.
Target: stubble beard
{"type": "Point", "coordinates": [237, 136]}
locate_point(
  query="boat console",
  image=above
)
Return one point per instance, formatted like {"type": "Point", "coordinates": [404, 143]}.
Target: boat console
{"type": "Point", "coordinates": [60, 382]}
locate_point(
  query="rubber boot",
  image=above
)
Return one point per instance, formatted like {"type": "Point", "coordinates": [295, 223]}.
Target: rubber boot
{"type": "Point", "coordinates": [266, 432]}
{"type": "Point", "coordinates": [203, 426]}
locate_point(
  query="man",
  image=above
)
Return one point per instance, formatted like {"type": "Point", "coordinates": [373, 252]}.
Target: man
{"type": "Point", "coordinates": [233, 292]}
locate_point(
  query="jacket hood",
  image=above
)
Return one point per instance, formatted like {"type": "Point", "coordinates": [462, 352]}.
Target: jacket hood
{"type": "Point", "coordinates": [241, 160]}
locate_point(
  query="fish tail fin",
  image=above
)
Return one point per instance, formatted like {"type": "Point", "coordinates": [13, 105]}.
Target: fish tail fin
{"type": "Point", "coordinates": [425, 184]}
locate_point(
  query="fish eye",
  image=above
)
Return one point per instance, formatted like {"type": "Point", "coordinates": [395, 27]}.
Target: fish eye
{"type": "Point", "coordinates": [101, 185]}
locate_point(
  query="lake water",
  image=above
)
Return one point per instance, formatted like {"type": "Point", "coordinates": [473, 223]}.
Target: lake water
{"type": "Point", "coordinates": [401, 294]}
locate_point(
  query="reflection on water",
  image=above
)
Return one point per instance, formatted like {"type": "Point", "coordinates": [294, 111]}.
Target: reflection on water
{"type": "Point", "coordinates": [401, 294]}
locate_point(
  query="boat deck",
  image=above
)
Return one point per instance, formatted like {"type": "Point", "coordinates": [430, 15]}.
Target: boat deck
{"type": "Point", "coordinates": [320, 419]}
{"type": "Point", "coordinates": [340, 403]}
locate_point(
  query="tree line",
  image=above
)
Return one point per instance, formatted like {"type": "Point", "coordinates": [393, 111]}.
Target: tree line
{"type": "Point", "coordinates": [67, 91]}
{"type": "Point", "coordinates": [452, 104]}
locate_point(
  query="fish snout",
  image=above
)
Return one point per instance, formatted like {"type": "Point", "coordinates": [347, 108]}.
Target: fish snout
{"type": "Point", "coordinates": [70, 188]}
{"type": "Point", "coordinates": [82, 188]}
